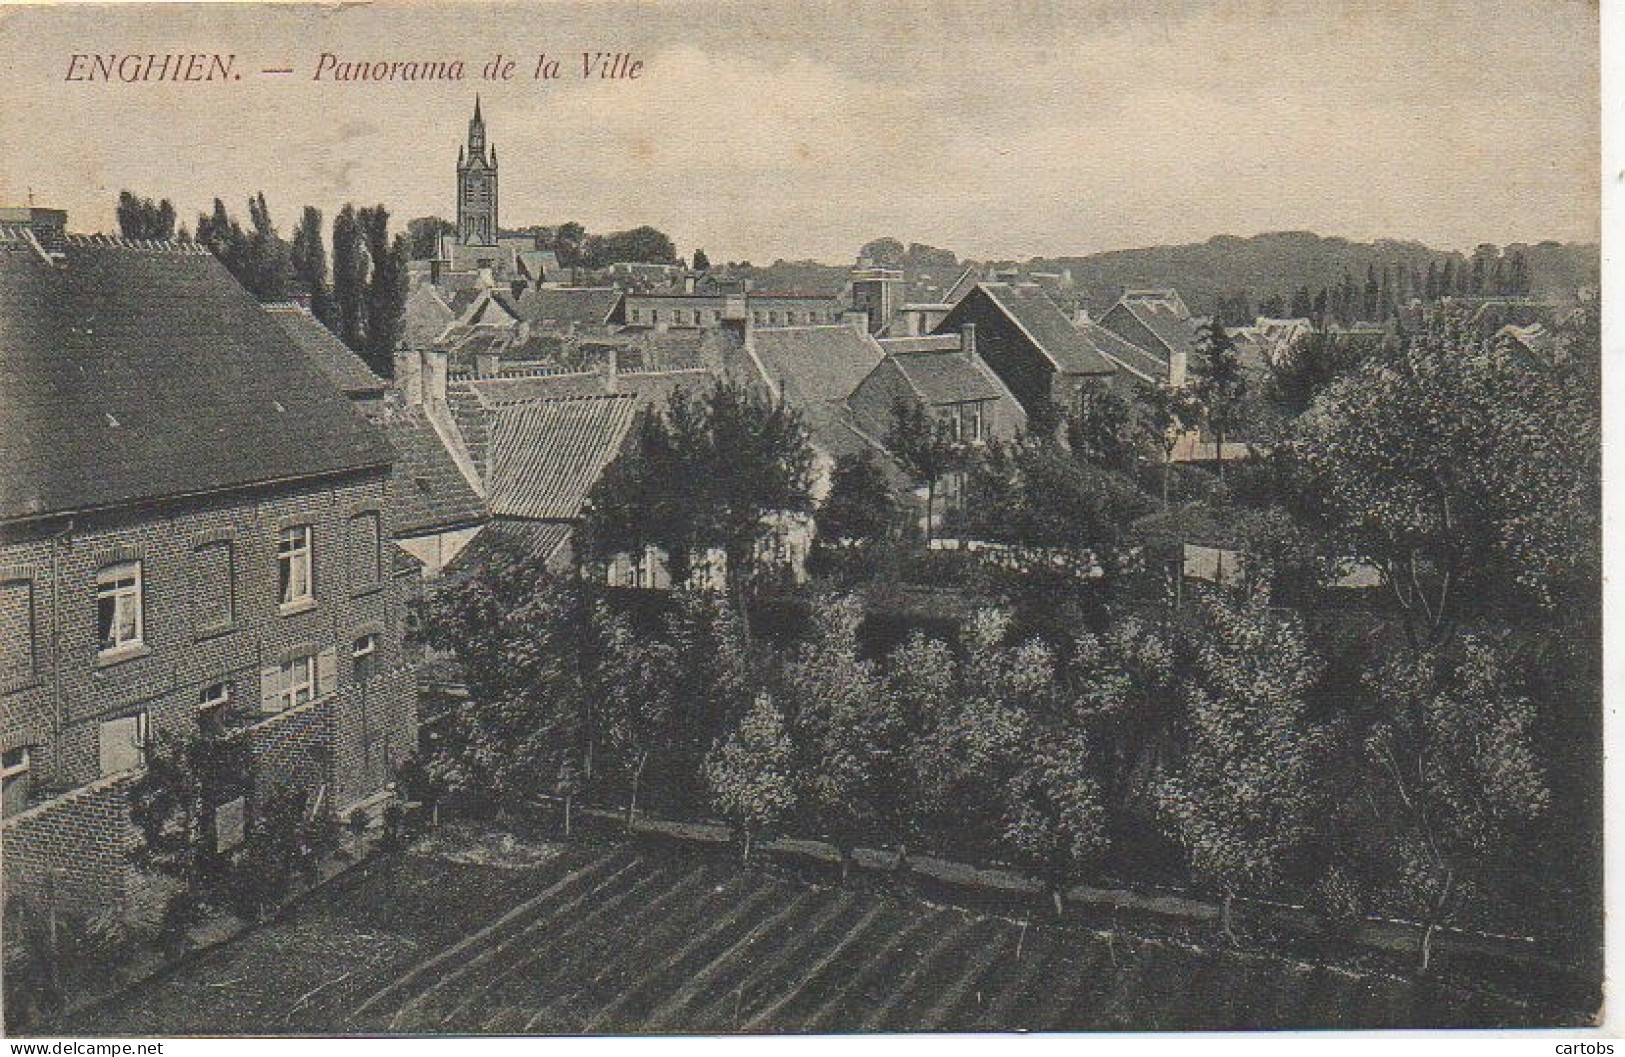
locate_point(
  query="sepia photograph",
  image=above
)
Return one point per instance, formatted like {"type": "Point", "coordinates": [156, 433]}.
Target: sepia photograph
{"type": "Point", "coordinates": [739, 517]}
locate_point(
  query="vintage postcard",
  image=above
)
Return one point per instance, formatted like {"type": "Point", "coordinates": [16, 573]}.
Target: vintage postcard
{"type": "Point", "coordinates": [766, 518]}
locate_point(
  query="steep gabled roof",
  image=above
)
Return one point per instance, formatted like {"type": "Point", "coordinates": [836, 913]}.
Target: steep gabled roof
{"type": "Point", "coordinates": [1031, 310]}
{"type": "Point", "coordinates": [815, 364]}
{"type": "Point", "coordinates": [1144, 365]}
{"type": "Point", "coordinates": [134, 374]}
{"type": "Point", "coordinates": [330, 355]}
{"type": "Point", "coordinates": [945, 377]}
{"type": "Point", "coordinates": [427, 316]}
{"type": "Point", "coordinates": [922, 343]}
{"type": "Point", "coordinates": [1174, 329]}
{"type": "Point", "coordinates": [545, 457]}
{"type": "Point", "coordinates": [427, 491]}
{"type": "Point", "coordinates": [561, 306]}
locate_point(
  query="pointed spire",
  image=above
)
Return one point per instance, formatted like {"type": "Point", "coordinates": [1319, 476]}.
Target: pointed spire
{"type": "Point", "coordinates": [476, 106]}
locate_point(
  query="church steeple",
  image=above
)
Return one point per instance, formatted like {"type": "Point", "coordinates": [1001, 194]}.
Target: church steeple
{"type": "Point", "coordinates": [476, 186]}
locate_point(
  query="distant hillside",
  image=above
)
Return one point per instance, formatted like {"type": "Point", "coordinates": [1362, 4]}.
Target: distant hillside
{"type": "Point", "coordinates": [1280, 262]}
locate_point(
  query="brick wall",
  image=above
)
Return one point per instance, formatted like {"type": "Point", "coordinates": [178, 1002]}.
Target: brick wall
{"type": "Point", "coordinates": [84, 836]}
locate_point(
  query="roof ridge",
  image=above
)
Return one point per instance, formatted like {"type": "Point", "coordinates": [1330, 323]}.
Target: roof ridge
{"type": "Point", "coordinates": [102, 241]}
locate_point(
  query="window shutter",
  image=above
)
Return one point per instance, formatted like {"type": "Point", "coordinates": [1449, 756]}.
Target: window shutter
{"type": "Point", "coordinates": [327, 671]}
{"type": "Point", "coordinates": [270, 689]}
{"type": "Point", "coordinates": [120, 749]}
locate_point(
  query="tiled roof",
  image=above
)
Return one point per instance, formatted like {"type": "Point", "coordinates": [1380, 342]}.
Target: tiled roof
{"type": "Point", "coordinates": [538, 539]}
{"type": "Point", "coordinates": [133, 374]}
{"type": "Point", "coordinates": [1137, 361]}
{"type": "Point", "coordinates": [545, 457]}
{"type": "Point", "coordinates": [427, 316]}
{"type": "Point", "coordinates": [1043, 321]}
{"type": "Point", "coordinates": [945, 377]}
{"type": "Point", "coordinates": [428, 492]}
{"type": "Point", "coordinates": [559, 306]}
{"type": "Point", "coordinates": [326, 351]}
{"type": "Point", "coordinates": [645, 388]}
{"type": "Point", "coordinates": [816, 363]}
{"type": "Point", "coordinates": [1160, 317]}
{"type": "Point", "coordinates": [539, 264]}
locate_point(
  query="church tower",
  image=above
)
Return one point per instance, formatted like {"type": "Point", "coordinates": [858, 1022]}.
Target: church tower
{"type": "Point", "coordinates": [477, 187]}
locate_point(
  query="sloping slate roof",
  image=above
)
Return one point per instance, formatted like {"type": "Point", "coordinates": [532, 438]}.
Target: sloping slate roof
{"type": "Point", "coordinates": [428, 492]}
{"type": "Point", "coordinates": [137, 374]}
{"type": "Point", "coordinates": [539, 264]}
{"type": "Point", "coordinates": [1176, 331]}
{"type": "Point", "coordinates": [921, 343]}
{"type": "Point", "coordinates": [427, 316]}
{"type": "Point", "coordinates": [539, 539]}
{"type": "Point", "coordinates": [816, 363]}
{"type": "Point", "coordinates": [562, 305]}
{"type": "Point", "coordinates": [645, 388]}
{"type": "Point", "coordinates": [1140, 362]}
{"type": "Point", "coordinates": [1039, 317]}
{"type": "Point", "coordinates": [545, 457]}
{"type": "Point", "coordinates": [326, 351]}
{"type": "Point", "coordinates": [945, 377]}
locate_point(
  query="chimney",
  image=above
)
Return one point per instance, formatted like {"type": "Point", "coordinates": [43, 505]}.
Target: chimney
{"type": "Point", "coordinates": [409, 376]}
{"type": "Point", "coordinates": [434, 376]}
{"type": "Point", "coordinates": [612, 370]}
{"type": "Point", "coordinates": [688, 283]}
{"type": "Point", "coordinates": [1176, 369]}
{"type": "Point", "coordinates": [967, 341]}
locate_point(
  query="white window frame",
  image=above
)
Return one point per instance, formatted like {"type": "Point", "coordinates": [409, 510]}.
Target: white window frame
{"type": "Point", "coordinates": [364, 647]}
{"type": "Point", "coordinates": [288, 690]}
{"type": "Point", "coordinates": [292, 543]}
{"type": "Point", "coordinates": [12, 770]}
{"type": "Point", "coordinates": [122, 582]}
{"type": "Point", "coordinates": [212, 702]}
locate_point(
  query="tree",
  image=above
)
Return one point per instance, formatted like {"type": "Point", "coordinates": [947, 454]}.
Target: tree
{"type": "Point", "coordinates": [886, 252]}
{"type": "Point", "coordinates": [920, 687]}
{"type": "Point", "coordinates": [384, 300]}
{"type": "Point", "coordinates": [1244, 795]}
{"type": "Point", "coordinates": [839, 729]}
{"type": "Point", "coordinates": [708, 471]}
{"type": "Point", "coordinates": [1104, 428]}
{"type": "Point", "coordinates": [172, 807]}
{"type": "Point", "coordinates": [639, 681]}
{"type": "Point", "coordinates": [141, 218]}
{"type": "Point", "coordinates": [1055, 818]}
{"type": "Point", "coordinates": [713, 685]}
{"type": "Point", "coordinates": [568, 241]}
{"type": "Point", "coordinates": [1453, 755]}
{"type": "Point", "coordinates": [749, 775]}
{"type": "Point", "coordinates": [267, 255]}
{"type": "Point", "coordinates": [1169, 411]}
{"type": "Point", "coordinates": [924, 445]}
{"type": "Point", "coordinates": [350, 278]}
{"type": "Point", "coordinates": [860, 509]}
{"type": "Point", "coordinates": [517, 631]}
{"type": "Point", "coordinates": [1217, 383]}
{"type": "Point", "coordinates": [639, 245]}
{"type": "Point", "coordinates": [1467, 478]}
{"type": "Point", "coordinates": [423, 236]}
{"type": "Point", "coordinates": [309, 264]}
{"type": "Point", "coordinates": [702, 263]}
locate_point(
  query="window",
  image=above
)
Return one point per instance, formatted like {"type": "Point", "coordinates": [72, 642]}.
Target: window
{"type": "Point", "coordinates": [696, 317]}
{"type": "Point", "coordinates": [123, 744]}
{"type": "Point", "coordinates": [364, 656]}
{"type": "Point", "coordinates": [118, 607]}
{"type": "Point", "coordinates": [214, 588]}
{"type": "Point", "coordinates": [214, 697]}
{"type": "Point", "coordinates": [17, 656]}
{"type": "Point", "coordinates": [366, 556]}
{"type": "Point", "coordinates": [300, 679]}
{"type": "Point", "coordinates": [635, 314]}
{"type": "Point", "coordinates": [293, 565]}
{"type": "Point", "coordinates": [14, 765]}
{"type": "Point", "coordinates": [298, 682]}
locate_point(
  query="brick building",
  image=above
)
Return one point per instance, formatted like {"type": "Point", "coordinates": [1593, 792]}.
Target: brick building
{"type": "Point", "coordinates": [194, 538]}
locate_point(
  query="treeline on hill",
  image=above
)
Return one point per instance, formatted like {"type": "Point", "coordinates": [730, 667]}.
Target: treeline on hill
{"type": "Point", "coordinates": [362, 298]}
{"type": "Point", "coordinates": [570, 241]}
{"type": "Point", "coordinates": [1402, 754]}
{"type": "Point", "coordinates": [1271, 270]}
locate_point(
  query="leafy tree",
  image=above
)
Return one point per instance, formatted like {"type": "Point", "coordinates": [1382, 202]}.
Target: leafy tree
{"type": "Point", "coordinates": [1468, 478]}
{"type": "Point", "coordinates": [1124, 688]}
{"type": "Point", "coordinates": [384, 299]}
{"type": "Point", "coordinates": [1105, 428]}
{"type": "Point", "coordinates": [1244, 795]}
{"type": "Point", "coordinates": [860, 507]}
{"type": "Point", "coordinates": [141, 218]}
{"type": "Point", "coordinates": [887, 252]}
{"type": "Point", "coordinates": [750, 774]}
{"type": "Point", "coordinates": [309, 264]}
{"type": "Point", "coordinates": [1309, 364]}
{"type": "Point", "coordinates": [639, 245]}
{"type": "Point", "coordinates": [1055, 817]}
{"type": "Point", "coordinates": [713, 684]}
{"type": "Point", "coordinates": [568, 241]}
{"type": "Point", "coordinates": [839, 729]}
{"type": "Point", "coordinates": [350, 277]}
{"type": "Point", "coordinates": [1217, 382]}
{"type": "Point", "coordinates": [639, 682]}
{"type": "Point", "coordinates": [1167, 411]}
{"type": "Point", "coordinates": [423, 236]}
{"type": "Point", "coordinates": [706, 472]}
{"type": "Point", "coordinates": [517, 632]}
{"type": "Point", "coordinates": [268, 259]}
{"type": "Point", "coordinates": [702, 263]}
{"type": "Point", "coordinates": [172, 807]}
{"type": "Point", "coordinates": [924, 445]}
{"type": "Point", "coordinates": [920, 687]}
{"type": "Point", "coordinates": [1453, 753]}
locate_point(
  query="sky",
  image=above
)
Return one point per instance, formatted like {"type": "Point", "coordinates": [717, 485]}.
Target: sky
{"type": "Point", "coordinates": [764, 130]}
